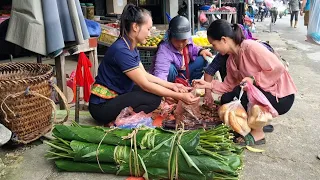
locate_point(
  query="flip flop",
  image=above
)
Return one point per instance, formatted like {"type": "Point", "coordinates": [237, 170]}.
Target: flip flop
{"type": "Point", "coordinates": [268, 128]}
{"type": "Point", "coordinates": [250, 141]}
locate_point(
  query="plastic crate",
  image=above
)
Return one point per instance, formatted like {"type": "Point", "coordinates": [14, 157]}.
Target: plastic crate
{"type": "Point", "coordinates": [146, 57]}
{"type": "Point", "coordinates": [108, 34]}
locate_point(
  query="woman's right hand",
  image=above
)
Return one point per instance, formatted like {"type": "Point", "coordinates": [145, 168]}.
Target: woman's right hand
{"type": "Point", "coordinates": [189, 98]}
{"type": "Point", "coordinates": [201, 84]}
{"type": "Point", "coordinates": [208, 99]}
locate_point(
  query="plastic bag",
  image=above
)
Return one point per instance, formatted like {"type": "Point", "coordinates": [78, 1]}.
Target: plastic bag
{"type": "Point", "coordinates": [234, 115]}
{"type": "Point", "coordinates": [93, 28]}
{"type": "Point", "coordinates": [258, 117]}
{"type": "Point", "coordinates": [314, 22]}
{"type": "Point", "coordinates": [187, 114]}
{"type": "Point", "coordinates": [256, 97]}
{"type": "Point", "coordinates": [129, 119]}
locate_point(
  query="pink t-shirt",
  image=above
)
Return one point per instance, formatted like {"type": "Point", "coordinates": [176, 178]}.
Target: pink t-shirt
{"type": "Point", "coordinates": [257, 61]}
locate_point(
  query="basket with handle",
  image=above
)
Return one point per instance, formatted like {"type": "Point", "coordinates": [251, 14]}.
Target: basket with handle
{"type": "Point", "coordinates": [26, 107]}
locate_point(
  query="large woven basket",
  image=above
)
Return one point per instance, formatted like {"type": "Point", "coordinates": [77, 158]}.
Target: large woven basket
{"type": "Point", "coordinates": [26, 107]}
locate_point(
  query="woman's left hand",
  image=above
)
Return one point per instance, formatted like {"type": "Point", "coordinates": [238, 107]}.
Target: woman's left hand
{"type": "Point", "coordinates": [180, 88]}
{"type": "Point", "coordinates": [205, 53]}
{"type": "Point", "coordinates": [247, 80]}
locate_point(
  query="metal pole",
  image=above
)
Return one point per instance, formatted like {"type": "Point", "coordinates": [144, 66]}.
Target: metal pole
{"type": "Point", "coordinates": [219, 3]}
{"type": "Point", "coordinates": [192, 16]}
{"type": "Point", "coordinates": [189, 11]}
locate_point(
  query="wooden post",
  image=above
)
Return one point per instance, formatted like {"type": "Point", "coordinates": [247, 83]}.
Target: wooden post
{"type": "Point", "coordinates": [77, 108]}
{"type": "Point", "coordinates": [61, 77]}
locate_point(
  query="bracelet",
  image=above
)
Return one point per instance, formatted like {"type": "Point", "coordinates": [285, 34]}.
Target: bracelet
{"type": "Point", "coordinates": [253, 80]}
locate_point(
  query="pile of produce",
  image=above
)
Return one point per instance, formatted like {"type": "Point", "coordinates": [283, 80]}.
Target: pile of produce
{"type": "Point", "coordinates": [200, 41]}
{"type": "Point", "coordinates": [151, 153]}
{"type": "Point", "coordinates": [152, 41]}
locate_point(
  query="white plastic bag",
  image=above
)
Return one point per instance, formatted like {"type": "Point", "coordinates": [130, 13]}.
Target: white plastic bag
{"type": "Point", "coordinates": [234, 115]}
{"type": "Point", "coordinates": [314, 21]}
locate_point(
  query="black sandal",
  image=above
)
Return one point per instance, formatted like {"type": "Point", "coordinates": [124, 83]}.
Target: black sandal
{"type": "Point", "coordinates": [268, 128]}
{"type": "Point", "coordinates": [250, 141]}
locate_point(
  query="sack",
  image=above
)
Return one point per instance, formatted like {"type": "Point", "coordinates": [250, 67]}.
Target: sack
{"type": "Point", "coordinates": [256, 97]}
{"type": "Point", "coordinates": [187, 114]}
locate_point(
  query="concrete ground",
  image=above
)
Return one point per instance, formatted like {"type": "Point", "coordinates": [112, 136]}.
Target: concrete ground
{"type": "Point", "coordinates": [291, 150]}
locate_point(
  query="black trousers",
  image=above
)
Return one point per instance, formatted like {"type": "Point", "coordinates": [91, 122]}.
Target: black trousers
{"type": "Point", "coordinates": [294, 14]}
{"type": "Point", "coordinates": [282, 106]}
{"type": "Point", "coordinates": [138, 99]}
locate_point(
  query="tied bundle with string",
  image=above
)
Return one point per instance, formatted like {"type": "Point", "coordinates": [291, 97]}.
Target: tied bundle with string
{"type": "Point", "coordinates": [151, 153]}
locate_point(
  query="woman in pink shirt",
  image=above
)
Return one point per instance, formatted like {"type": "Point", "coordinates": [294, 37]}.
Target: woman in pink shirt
{"type": "Point", "coordinates": [250, 62]}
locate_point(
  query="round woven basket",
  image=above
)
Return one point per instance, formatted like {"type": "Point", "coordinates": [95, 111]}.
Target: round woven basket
{"type": "Point", "coordinates": [26, 108]}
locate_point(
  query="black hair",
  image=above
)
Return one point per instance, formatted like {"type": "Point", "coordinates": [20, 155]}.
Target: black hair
{"type": "Point", "coordinates": [221, 27]}
{"type": "Point", "coordinates": [131, 14]}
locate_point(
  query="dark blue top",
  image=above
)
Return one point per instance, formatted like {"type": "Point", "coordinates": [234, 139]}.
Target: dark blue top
{"type": "Point", "coordinates": [118, 60]}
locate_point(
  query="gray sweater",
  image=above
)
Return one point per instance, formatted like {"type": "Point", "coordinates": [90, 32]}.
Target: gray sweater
{"type": "Point", "coordinates": [294, 5]}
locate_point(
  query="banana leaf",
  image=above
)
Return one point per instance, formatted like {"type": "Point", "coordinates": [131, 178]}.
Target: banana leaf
{"type": "Point", "coordinates": [156, 173]}
{"type": "Point", "coordinates": [146, 139]}
{"type": "Point", "coordinates": [119, 155]}
{"type": "Point", "coordinates": [71, 166]}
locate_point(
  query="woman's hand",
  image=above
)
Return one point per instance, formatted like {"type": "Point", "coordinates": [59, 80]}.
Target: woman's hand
{"type": "Point", "coordinates": [208, 99]}
{"type": "Point", "coordinates": [189, 98]}
{"type": "Point", "coordinates": [180, 88]}
{"type": "Point", "coordinates": [248, 80]}
{"type": "Point", "coordinates": [205, 53]}
{"type": "Point", "coordinates": [201, 84]}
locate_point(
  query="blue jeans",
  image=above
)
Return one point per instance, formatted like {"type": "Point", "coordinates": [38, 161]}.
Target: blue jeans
{"type": "Point", "coordinates": [195, 69]}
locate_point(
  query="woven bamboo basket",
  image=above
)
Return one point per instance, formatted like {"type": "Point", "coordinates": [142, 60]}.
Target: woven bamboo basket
{"type": "Point", "coordinates": [26, 107]}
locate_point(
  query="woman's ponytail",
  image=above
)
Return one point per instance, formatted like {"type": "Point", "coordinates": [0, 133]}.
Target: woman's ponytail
{"type": "Point", "coordinates": [221, 28]}
{"type": "Point", "coordinates": [238, 34]}
{"type": "Point", "coordinates": [131, 14]}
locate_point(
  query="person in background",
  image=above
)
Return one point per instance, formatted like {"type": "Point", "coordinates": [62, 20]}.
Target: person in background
{"type": "Point", "coordinates": [305, 8]}
{"type": "Point", "coordinates": [294, 8]}
{"type": "Point", "coordinates": [249, 62]}
{"type": "Point", "coordinates": [178, 56]}
{"type": "Point", "coordinates": [122, 80]}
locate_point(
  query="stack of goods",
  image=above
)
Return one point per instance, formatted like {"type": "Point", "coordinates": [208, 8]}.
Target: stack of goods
{"type": "Point", "coordinates": [152, 41]}
{"type": "Point", "coordinates": [109, 33]}
{"type": "Point", "coordinates": [223, 9]}
{"type": "Point", "coordinates": [151, 153]}
{"type": "Point", "coordinates": [200, 41]}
